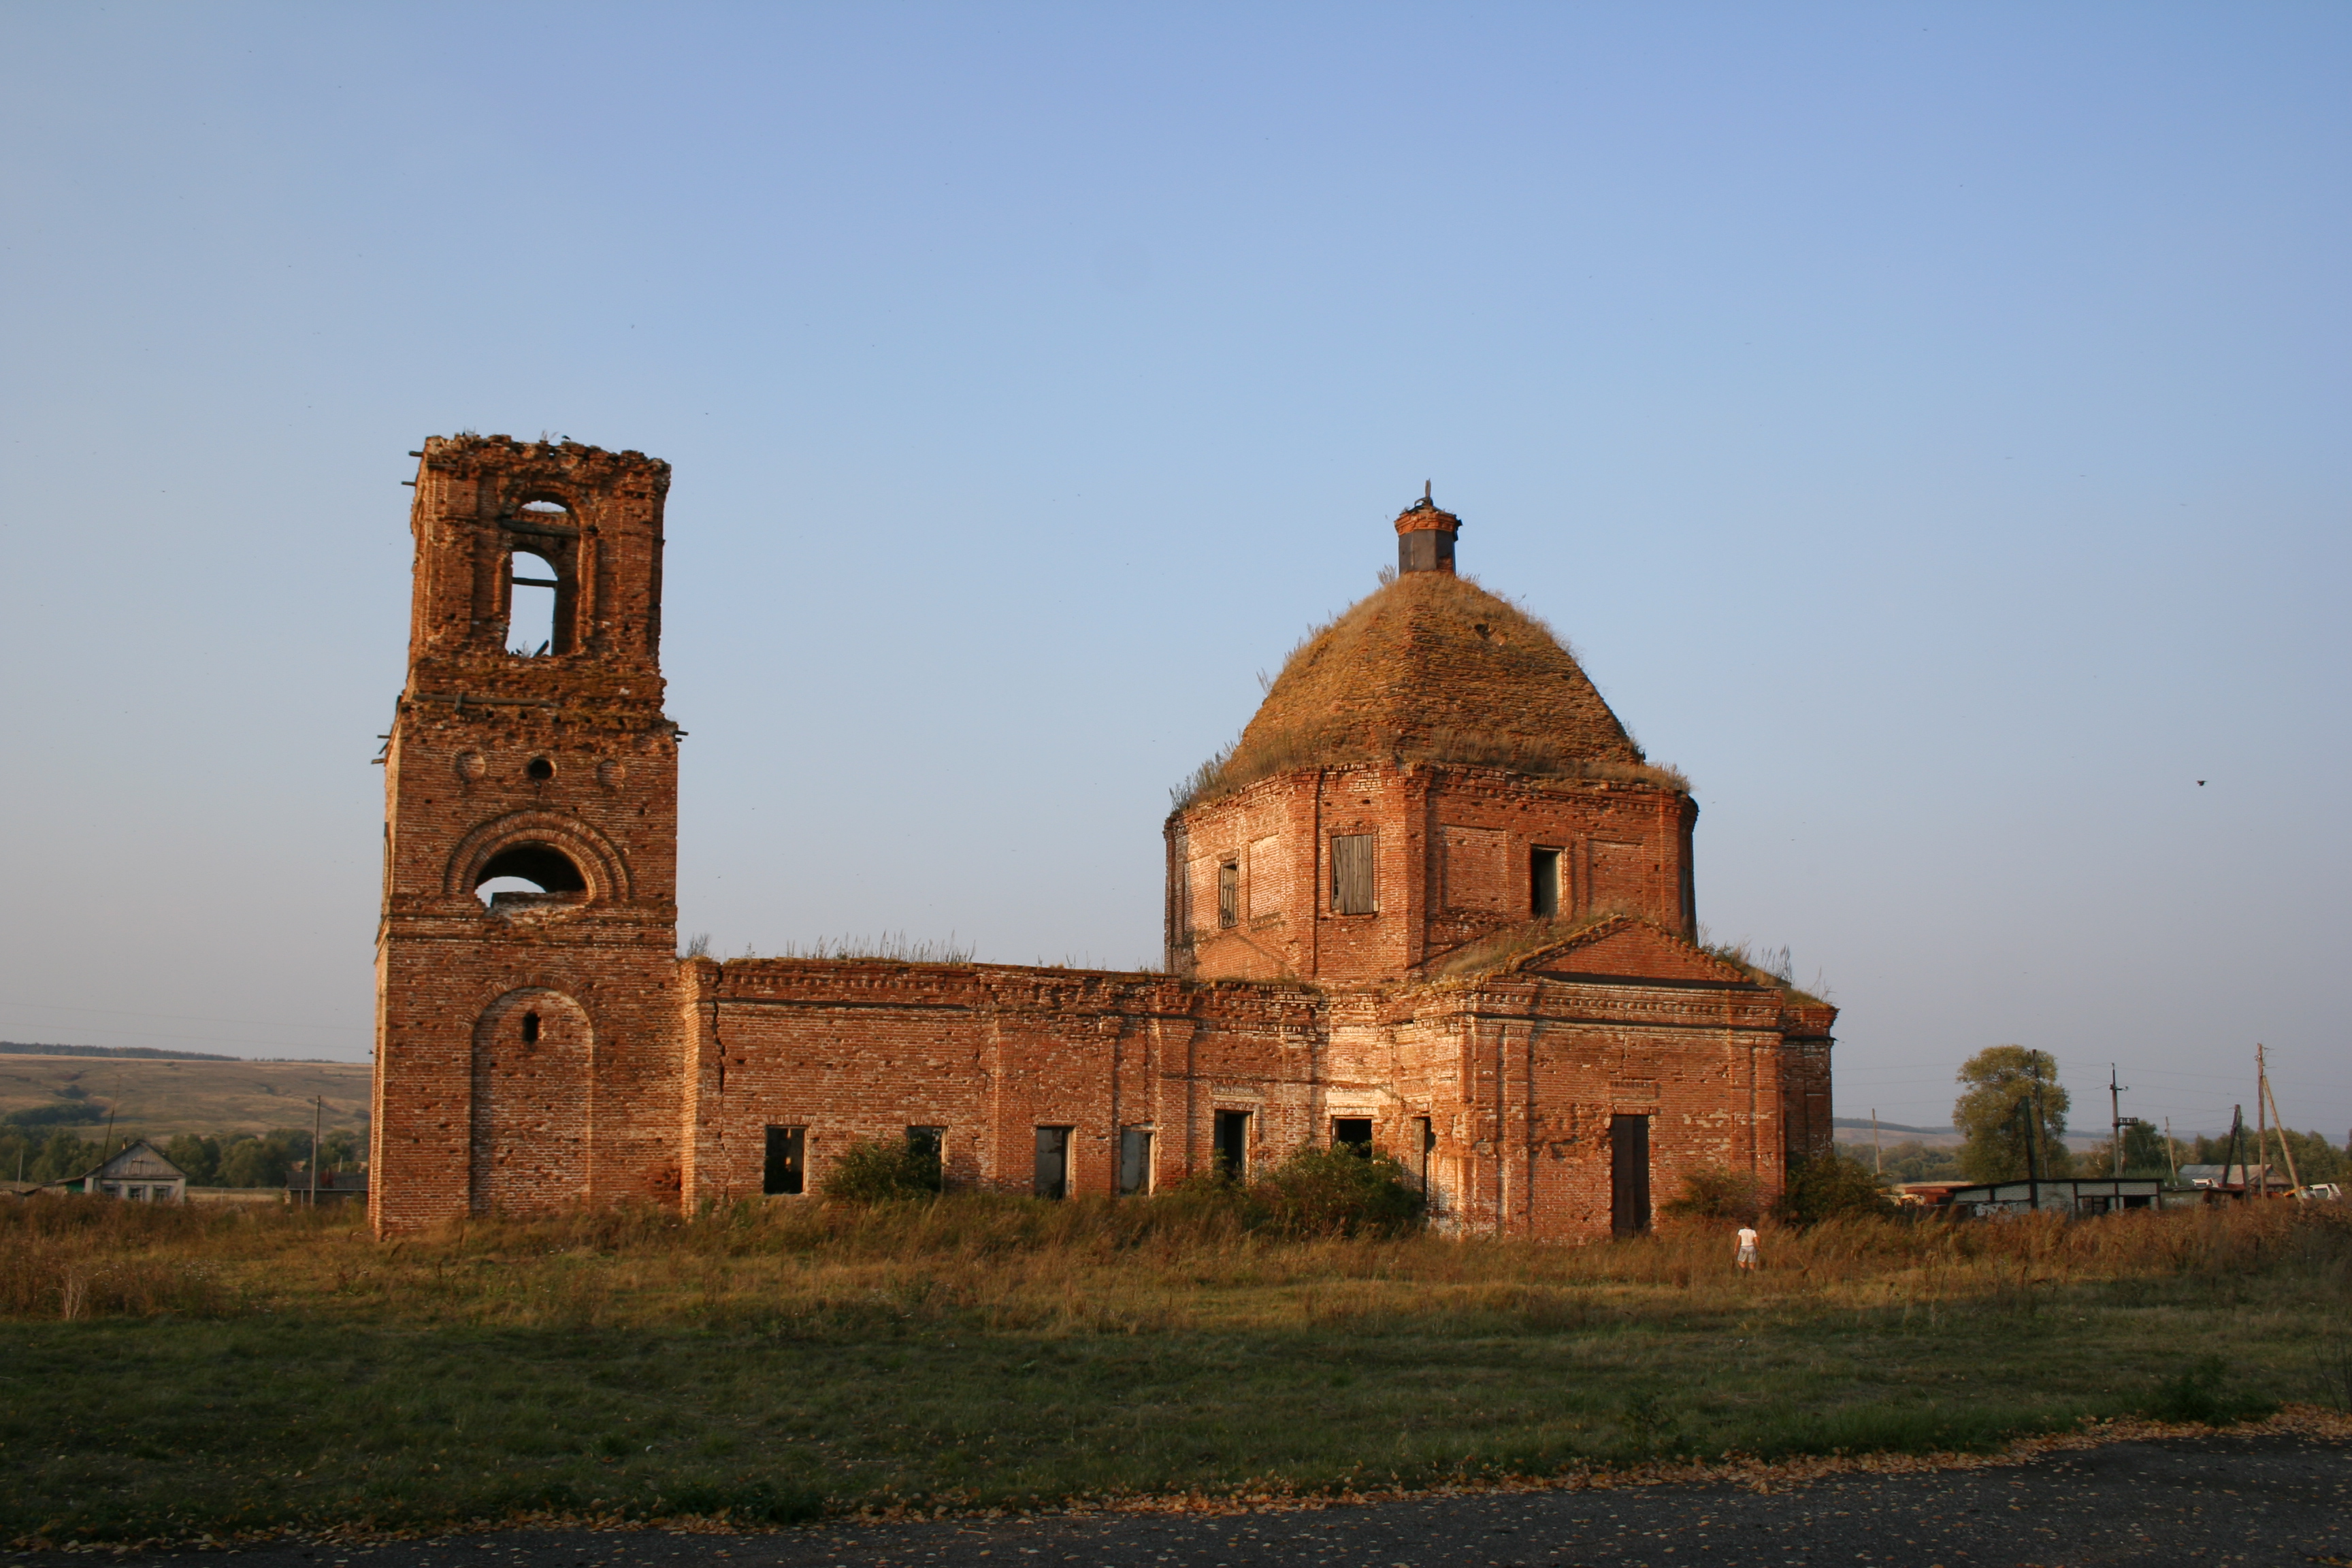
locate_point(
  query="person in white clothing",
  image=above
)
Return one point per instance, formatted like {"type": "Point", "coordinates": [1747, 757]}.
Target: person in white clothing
{"type": "Point", "coordinates": [1746, 1258]}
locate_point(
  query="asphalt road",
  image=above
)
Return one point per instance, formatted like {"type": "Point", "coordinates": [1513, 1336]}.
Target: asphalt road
{"type": "Point", "coordinates": [2262, 1500]}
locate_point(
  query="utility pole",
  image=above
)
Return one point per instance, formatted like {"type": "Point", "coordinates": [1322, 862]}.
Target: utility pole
{"type": "Point", "coordinates": [2261, 1123]}
{"type": "Point", "coordinates": [2025, 1110]}
{"type": "Point", "coordinates": [318, 1124]}
{"type": "Point", "coordinates": [2171, 1163]}
{"type": "Point", "coordinates": [2033, 1136]}
{"type": "Point", "coordinates": [2116, 1116]}
{"type": "Point", "coordinates": [1878, 1159]}
{"type": "Point", "coordinates": [2295, 1181]}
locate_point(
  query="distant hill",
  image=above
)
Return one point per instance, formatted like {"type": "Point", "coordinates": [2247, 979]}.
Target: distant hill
{"type": "Point", "coordinates": [145, 1053]}
{"type": "Point", "coordinates": [1863, 1123]}
{"type": "Point", "coordinates": [160, 1093]}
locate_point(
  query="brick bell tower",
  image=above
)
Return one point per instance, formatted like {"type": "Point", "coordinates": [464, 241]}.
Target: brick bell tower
{"type": "Point", "coordinates": [528, 1047]}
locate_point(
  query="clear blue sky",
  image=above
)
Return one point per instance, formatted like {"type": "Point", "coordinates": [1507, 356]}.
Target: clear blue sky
{"type": "Point", "coordinates": [1929, 422]}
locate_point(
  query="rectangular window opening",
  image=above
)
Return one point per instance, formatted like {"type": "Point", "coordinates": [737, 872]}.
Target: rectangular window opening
{"type": "Point", "coordinates": [1351, 875]}
{"type": "Point", "coordinates": [1425, 1143]}
{"type": "Point", "coordinates": [1053, 1163]}
{"type": "Point", "coordinates": [1231, 1144]}
{"type": "Point", "coordinates": [928, 1148]}
{"type": "Point", "coordinates": [1543, 881]}
{"type": "Point", "coordinates": [1134, 1162]}
{"type": "Point", "coordinates": [1229, 894]}
{"type": "Point", "coordinates": [786, 1173]}
{"type": "Point", "coordinates": [1353, 1133]}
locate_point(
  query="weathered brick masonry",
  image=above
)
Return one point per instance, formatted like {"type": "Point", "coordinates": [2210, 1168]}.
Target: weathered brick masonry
{"type": "Point", "coordinates": [1434, 894]}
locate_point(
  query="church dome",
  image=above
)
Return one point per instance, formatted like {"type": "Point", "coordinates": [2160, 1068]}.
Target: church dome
{"type": "Point", "coordinates": [1433, 667]}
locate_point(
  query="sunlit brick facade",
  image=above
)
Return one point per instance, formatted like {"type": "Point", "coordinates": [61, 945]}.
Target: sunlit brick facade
{"type": "Point", "coordinates": [1434, 898]}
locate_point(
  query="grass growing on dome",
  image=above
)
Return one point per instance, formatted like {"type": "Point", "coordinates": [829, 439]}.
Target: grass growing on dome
{"type": "Point", "coordinates": [1423, 616]}
{"type": "Point", "coordinates": [1766, 967]}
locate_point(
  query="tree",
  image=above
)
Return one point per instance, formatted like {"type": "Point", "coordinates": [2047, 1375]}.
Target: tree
{"type": "Point", "coordinates": [198, 1158]}
{"type": "Point", "coordinates": [1912, 1161]}
{"type": "Point", "coordinates": [2144, 1150]}
{"type": "Point", "coordinates": [1828, 1186]}
{"type": "Point", "coordinates": [2008, 1087]}
{"type": "Point", "coordinates": [61, 1157]}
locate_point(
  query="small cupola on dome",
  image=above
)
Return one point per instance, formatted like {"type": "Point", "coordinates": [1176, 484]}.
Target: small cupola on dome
{"type": "Point", "coordinates": [1425, 536]}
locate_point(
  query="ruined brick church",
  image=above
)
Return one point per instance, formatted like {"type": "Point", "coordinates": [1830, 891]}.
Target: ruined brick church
{"type": "Point", "coordinates": [1433, 900]}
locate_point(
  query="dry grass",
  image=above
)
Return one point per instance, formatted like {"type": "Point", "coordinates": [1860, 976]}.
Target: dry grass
{"type": "Point", "coordinates": [775, 1359]}
{"type": "Point", "coordinates": [1179, 1263]}
{"type": "Point", "coordinates": [1466, 608]}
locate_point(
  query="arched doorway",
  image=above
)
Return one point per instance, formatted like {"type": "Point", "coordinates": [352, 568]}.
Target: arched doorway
{"type": "Point", "coordinates": [532, 1053]}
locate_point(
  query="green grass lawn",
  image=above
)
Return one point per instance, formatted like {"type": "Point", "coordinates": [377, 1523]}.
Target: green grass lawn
{"type": "Point", "coordinates": [326, 1379]}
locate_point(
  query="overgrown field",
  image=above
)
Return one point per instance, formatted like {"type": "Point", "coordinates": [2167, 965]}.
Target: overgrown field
{"type": "Point", "coordinates": [173, 1372]}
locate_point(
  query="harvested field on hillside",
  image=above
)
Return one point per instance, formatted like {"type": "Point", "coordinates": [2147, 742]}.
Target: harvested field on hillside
{"type": "Point", "coordinates": [175, 1373]}
{"type": "Point", "coordinates": [157, 1100]}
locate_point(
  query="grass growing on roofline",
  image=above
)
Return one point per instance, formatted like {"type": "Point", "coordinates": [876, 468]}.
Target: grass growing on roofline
{"type": "Point", "coordinates": [171, 1372]}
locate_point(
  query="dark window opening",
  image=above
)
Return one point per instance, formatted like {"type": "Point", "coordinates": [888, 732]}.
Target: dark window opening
{"type": "Point", "coordinates": [1231, 1144]}
{"type": "Point", "coordinates": [1353, 1133]}
{"type": "Point", "coordinates": [541, 769]}
{"type": "Point", "coordinates": [786, 1172]}
{"type": "Point", "coordinates": [530, 1028]}
{"type": "Point", "coordinates": [1351, 874]}
{"type": "Point", "coordinates": [526, 874]}
{"type": "Point", "coordinates": [1229, 894]}
{"type": "Point", "coordinates": [1053, 1163]}
{"type": "Point", "coordinates": [1134, 1160]}
{"type": "Point", "coordinates": [532, 590]}
{"type": "Point", "coordinates": [1426, 1144]}
{"type": "Point", "coordinates": [1543, 880]}
{"type": "Point", "coordinates": [1629, 1175]}
{"type": "Point", "coordinates": [928, 1148]}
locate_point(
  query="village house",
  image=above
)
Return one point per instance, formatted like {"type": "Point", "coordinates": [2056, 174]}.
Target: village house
{"type": "Point", "coordinates": [1434, 902]}
{"type": "Point", "coordinates": [139, 1173]}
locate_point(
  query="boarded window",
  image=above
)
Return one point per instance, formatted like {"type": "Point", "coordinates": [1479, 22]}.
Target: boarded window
{"type": "Point", "coordinates": [787, 1166]}
{"type": "Point", "coordinates": [1351, 874]}
{"type": "Point", "coordinates": [1134, 1160]}
{"type": "Point", "coordinates": [1229, 894]}
{"type": "Point", "coordinates": [1053, 1163]}
{"type": "Point", "coordinates": [1543, 881]}
{"type": "Point", "coordinates": [1629, 1174]}
{"type": "Point", "coordinates": [1352, 1133]}
{"type": "Point", "coordinates": [1232, 1143]}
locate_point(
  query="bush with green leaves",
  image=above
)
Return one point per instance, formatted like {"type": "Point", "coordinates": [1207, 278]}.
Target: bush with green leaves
{"type": "Point", "coordinates": [1716, 1193]}
{"type": "Point", "coordinates": [1339, 1192]}
{"type": "Point", "coordinates": [1830, 1186]}
{"type": "Point", "coordinates": [879, 1171]}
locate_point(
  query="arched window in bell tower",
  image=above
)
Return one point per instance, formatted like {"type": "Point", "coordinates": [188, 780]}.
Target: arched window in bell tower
{"type": "Point", "coordinates": [532, 589]}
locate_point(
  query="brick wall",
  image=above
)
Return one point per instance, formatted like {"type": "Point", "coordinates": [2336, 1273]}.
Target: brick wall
{"type": "Point", "coordinates": [1454, 850]}
{"type": "Point", "coordinates": [529, 1057]}
{"type": "Point", "coordinates": [1517, 1075]}
{"type": "Point", "coordinates": [550, 1050]}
